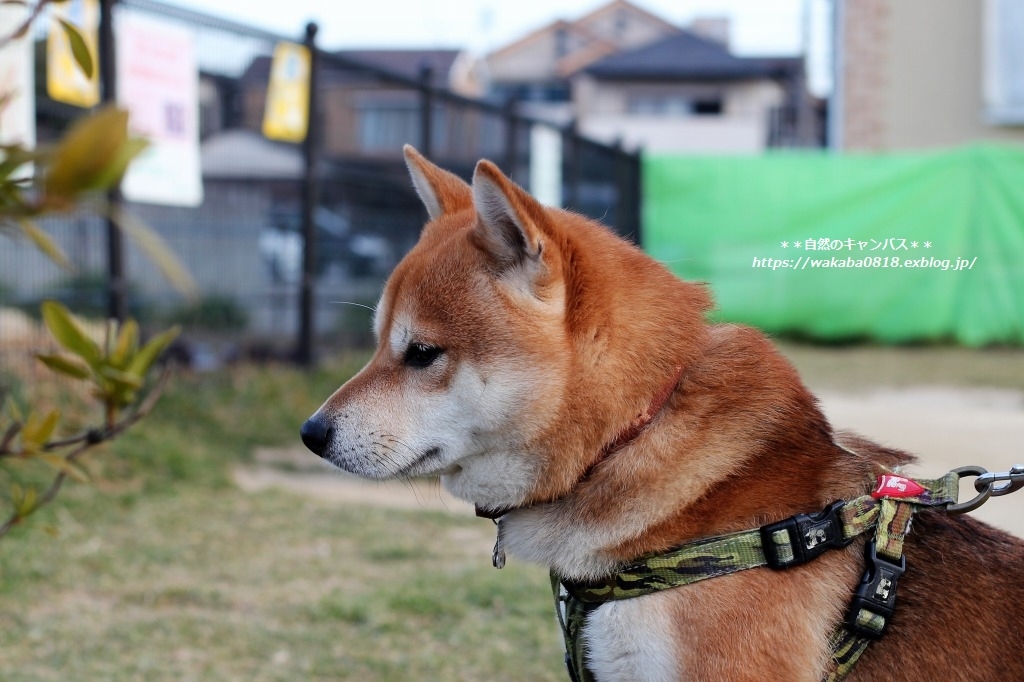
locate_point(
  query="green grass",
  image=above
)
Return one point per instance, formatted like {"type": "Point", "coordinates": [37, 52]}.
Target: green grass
{"type": "Point", "coordinates": [164, 570]}
{"type": "Point", "coordinates": [858, 367]}
{"type": "Point", "coordinates": [229, 586]}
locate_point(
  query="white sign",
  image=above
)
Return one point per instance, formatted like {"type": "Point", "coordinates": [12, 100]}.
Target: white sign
{"type": "Point", "coordinates": [546, 164]}
{"type": "Point", "coordinates": [17, 83]}
{"type": "Point", "coordinates": [158, 83]}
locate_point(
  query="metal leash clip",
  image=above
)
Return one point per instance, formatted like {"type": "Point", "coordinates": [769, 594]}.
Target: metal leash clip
{"type": "Point", "coordinates": [1014, 478]}
{"type": "Point", "coordinates": [986, 486]}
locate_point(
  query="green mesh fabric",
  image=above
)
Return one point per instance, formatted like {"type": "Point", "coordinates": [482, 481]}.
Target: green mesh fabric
{"type": "Point", "coordinates": [891, 222]}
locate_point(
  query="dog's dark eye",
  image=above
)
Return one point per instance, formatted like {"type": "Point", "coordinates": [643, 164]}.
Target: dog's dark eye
{"type": "Point", "coordinates": [421, 355]}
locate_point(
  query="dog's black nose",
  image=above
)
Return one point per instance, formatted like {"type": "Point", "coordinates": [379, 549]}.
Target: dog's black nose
{"type": "Point", "coordinates": [316, 434]}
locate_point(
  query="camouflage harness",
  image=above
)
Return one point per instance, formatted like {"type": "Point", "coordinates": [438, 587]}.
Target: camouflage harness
{"type": "Point", "coordinates": [888, 510]}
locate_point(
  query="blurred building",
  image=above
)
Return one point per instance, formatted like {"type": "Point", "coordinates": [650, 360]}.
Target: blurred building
{"type": "Point", "coordinates": [917, 73]}
{"type": "Point", "coordinates": [622, 73]}
{"type": "Point", "coordinates": [687, 93]}
{"type": "Point", "coordinates": [536, 69]}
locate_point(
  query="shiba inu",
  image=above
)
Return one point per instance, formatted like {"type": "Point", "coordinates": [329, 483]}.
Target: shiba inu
{"type": "Point", "coordinates": [555, 376]}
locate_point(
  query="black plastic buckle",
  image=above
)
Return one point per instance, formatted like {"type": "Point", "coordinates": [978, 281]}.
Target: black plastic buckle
{"type": "Point", "coordinates": [809, 536]}
{"type": "Point", "coordinates": [876, 593]}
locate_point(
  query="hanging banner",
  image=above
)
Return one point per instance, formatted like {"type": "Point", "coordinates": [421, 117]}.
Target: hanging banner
{"type": "Point", "coordinates": [158, 83]}
{"type": "Point", "coordinates": [546, 164]}
{"type": "Point", "coordinates": [286, 116]}
{"type": "Point", "coordinates": [65, 81]}
{"type": "Point", "coordinates": [18, 114]}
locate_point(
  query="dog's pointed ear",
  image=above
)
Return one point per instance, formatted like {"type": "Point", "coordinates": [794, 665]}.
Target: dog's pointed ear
{"type": "Point", "coordinates": [507, 219]}
{"type": "Point", "coordinates": [440, 191]}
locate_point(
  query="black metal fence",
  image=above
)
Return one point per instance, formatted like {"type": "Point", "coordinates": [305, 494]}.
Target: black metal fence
{"type": "Point", "coordinates": [348, 197]}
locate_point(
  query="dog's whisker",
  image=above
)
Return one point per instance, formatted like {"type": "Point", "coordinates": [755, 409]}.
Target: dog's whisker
{"type": "Point", "coordinates": [386, 455]}
{"type": "Point", "coordinates": [361, 305]}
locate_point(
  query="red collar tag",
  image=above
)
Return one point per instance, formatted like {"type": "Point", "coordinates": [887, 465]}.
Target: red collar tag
{"type": "Point", "coordinates": [896, 486]}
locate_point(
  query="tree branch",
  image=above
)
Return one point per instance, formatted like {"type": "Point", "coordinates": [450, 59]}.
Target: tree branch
{"type": "Point", "coordinates": [8, 438]}
{"type": "Point", "coordinates": [85, 442]}
{"type": "Point", "coordinates": [97, 436]}
{"type": "Point", "coordinates": [25, 25]}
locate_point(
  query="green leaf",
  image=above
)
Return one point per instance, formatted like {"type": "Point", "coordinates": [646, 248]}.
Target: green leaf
{"type": "Point", "coordinates": [119, 163]}
{"type": "Point", "coordinates": [27, 505]}
{"type": "Point", "coordinates": [79, 48]}
{"type": "Point", "coordinates": [30, 440]}
{"type": "Point", "coordinates": [126, 345]}
{"type": "Point", "coordinates": [157, 250]}
{"type": "Point", "coordinates": [38, 429]}
{"type": "Point", "coordinates": [14, 411]}
{"type": "Point", "coordinates": [43, 242]}
{"type": "Point", "coordinates": [48, 426]}
{"type": "Point", "coordinates": [117, 388]}
{"type": "Point", "coordinates": [92, 155]}
{"type": "Point", "coordinates": [121, 379]}
{"type": "Point", "coordinates": [62, 464]}
{"type": "Point", "coordinates": [65, 328]}
{"type": "Point", "coordinates": [64, 365]}
{"type": "Point", "coordinates": [148, 354]}
{"type": "Point", "coordinates": [122, 396]}
{"type": "Point", "coordinates": [14, 155]}
{"type": "Point", "coordinates": [104, 389]}
{"type": "Point", "coordinates": [17, 494]}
